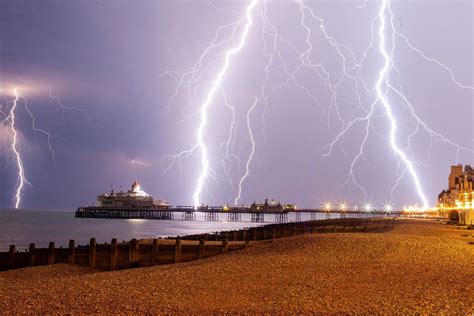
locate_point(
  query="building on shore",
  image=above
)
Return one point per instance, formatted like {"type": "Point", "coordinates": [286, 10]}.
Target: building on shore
{"type": "Point", "coordinates": [457, 202]}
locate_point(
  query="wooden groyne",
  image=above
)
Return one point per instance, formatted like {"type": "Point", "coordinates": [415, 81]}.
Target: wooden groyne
{"type": "Point", "coordinates": [148, 252]}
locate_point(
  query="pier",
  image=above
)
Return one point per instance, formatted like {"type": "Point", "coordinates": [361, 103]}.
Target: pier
{"type": "Point", "coordinates": [216, 213]}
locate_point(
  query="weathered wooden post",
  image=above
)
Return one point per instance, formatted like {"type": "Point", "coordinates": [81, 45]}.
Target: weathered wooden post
{"type": "Point", "coordinates": [32, 254]}
{"type": "Point", "coordinates": [92, 253]}
{"type": "Point", "coordinates": [225, 245]}
{"type": "Point", "coordinates": [113, 254]}
{"type": "Point", "coordinates": [274, 233]}
{"type": "Point", "coordinates": [264, 237]}
{"type": "Point", "coordinates": [244, 234]}
{"type": "Point", "coordinates": [177, 250]}
{"type": "Point", "coordinates": [247, 243]}
{"type": "Point", "coordinates": [51, 252]}
{"type": "Point", "coordinates": [71, 255]}
{"type": "Point", "coordinates": [254, 236]}
{"type": "Point", "coordinates": [235, 235]}
{"type": "Point", "coordinates": [11, 257]}
{"type": "Point", "coordinates": [202, 248]}
{"type": "Point", "coordinates": [133, 251]}
{"type": "Point", "coordinates": [226, 235]}
{"type": "Point", "coordinates": [155, 251]}
{"type": "Point", "coordinates": [293, 230]}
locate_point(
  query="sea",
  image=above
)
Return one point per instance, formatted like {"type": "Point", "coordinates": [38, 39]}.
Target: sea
{"type": "Point", "coordinates": [20, 227]}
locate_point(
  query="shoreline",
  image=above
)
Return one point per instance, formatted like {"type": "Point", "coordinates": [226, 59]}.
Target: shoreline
{"type": "Point", "coordinates": [418, 266]}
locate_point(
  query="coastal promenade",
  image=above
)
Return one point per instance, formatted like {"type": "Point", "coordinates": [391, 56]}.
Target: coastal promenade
{"type": "Point", "coordinates": [418, 266]}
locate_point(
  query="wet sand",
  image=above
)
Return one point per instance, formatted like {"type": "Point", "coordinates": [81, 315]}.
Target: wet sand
{"type": "Point", "coordinates": [418, 266]}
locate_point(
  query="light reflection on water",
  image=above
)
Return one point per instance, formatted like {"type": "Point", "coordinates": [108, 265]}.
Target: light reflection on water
{"type": "Point", "coordinates": [22, 227]}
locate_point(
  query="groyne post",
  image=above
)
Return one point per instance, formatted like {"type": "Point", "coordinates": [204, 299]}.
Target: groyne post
{"type": "Point", "coordinates": [113, 254]}
{"type": "Point", "coordinates": [225, 245]}
{"type": "Point", "coordinates": [202, 248]}
{"type": "Point", "coordinates": [92, 252]}
{"type": "Point", "coordinates": [155, 251]}
{"type": "Point", "coordinates": [31, 251]}
{"type": "Point", "coordinates": [51, 250]}
{"type": "Point", "coordinates": [133, 251]}
{"type": "Point", "coordinates": [177, 250]}
{"type": "Point", "coordinates": [11, 257]}
{"type": "Point", "coordinates": [71, 255]}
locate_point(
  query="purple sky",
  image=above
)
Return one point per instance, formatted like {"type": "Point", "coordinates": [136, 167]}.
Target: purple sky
{"type": "Point", "coordinates": [108, 58]}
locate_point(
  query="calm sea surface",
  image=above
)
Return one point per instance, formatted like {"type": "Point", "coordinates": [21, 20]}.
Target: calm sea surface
{"type": "Point", "coordinates": [22, 227]}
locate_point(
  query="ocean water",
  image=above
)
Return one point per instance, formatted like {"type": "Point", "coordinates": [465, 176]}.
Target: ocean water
{"type": "Point", "coordinates": [22, 227]}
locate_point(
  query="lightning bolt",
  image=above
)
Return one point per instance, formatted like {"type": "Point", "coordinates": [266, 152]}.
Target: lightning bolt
{"type": "Point", "coordinates": [371, 101]}
{"type": "Point", "coordinates": [9, 119]}
{"type": "Point", "coordinates": [382, 87]}
{"type": "Point", "coordinates": [16, 151]}
{"type": "Point", "coordinates": [382, 97]}
{"type": "Point", "coordinates": [252, 152]}
{"type": "Point", "coordinates": [190, 76]}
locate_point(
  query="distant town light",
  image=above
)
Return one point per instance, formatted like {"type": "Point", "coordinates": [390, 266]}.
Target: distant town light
{"type": "Point", "coordinates": [327, 206]}
{"type": "Point", "coordinates": [388, 207]}
{"type": "Point", "coordinates": [368, 207]}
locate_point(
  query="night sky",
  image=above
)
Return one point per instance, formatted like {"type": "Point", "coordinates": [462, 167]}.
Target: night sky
{"type": "Point", "coordinates": [110, 58]}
